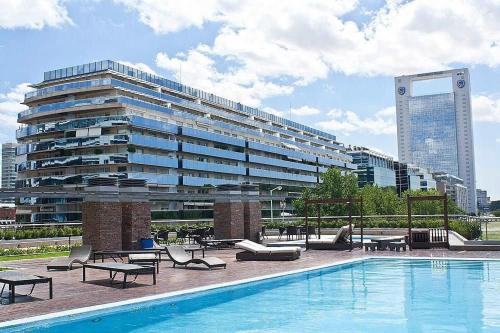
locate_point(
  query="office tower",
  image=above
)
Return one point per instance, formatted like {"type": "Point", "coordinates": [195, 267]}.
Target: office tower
{"type": "Point", "coordinates": [483, 201]}
{"type": "Point", "coordinates": [435, 130]}
{"type": "Point", "coordinates": [373, 167]}
{"type": "Point", "coordinates": [108, 119]}
{"type": "Point", "coordinates": [454, 187]}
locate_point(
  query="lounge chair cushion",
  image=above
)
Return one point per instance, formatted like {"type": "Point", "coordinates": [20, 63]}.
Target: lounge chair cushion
{"type": "Point", "coordinates": [258, 248]}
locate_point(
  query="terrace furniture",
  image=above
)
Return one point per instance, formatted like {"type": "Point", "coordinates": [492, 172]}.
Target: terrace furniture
{"type": "Point", "coordinates": [127, 269]}
{"type": "Point", "coordinates": [420, 239]}
{"type": "Point", "coordinates": [181, 236]}
{"type": "Point", "coordinates": [180, 257]}
{"type": "Point", "coordinates": [281, 231]}
{"type": "Point", "coordinates": [397, 246]}
{"type": "Point", "coordinates": [119, 254]}
{"type": "Point", "coordinates": [383, 242]}
{"type": "Point", "coordinates": [291, 231]}
{"type": "Point", "coordinates": [145, 258]}
{"type": "Point", "coordinates": [77, 255]}
{"type": "Point", "coordinates": [370, 246]}
{"type": "Point", "coordinates": [16, 278]}
{"type": "Point", "coordinates": [194, 249]}
{"type": "Point", "coordinates": [339, 242]}
{"type": "Point", "coordinates": [257, 252]}
{"type": "Point", "coordinates": [263, 233]}
{"type": "Point", "coordinates": [217, 243]}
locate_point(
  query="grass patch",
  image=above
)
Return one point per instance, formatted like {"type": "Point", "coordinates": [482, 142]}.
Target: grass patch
{"type": "Point", "coordinates": [34, 256]}
{"type": "Point", "coordinates": [492, 235]}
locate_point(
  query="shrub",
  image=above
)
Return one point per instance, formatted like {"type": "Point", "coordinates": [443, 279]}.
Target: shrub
{"type": "Point", "coordinates": [470, 230]}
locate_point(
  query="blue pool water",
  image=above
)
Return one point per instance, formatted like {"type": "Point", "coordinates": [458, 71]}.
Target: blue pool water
{"type": "Point", "coordinates": [375, 295]}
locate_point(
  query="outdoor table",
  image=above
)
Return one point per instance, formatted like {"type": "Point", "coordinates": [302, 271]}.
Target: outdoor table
{"type": "Point", "coordinates": [127, 269]}
{"type": "Point", "coordinates": [383, 242]}
{"type": "Point", "coordinates": [15, 278]}
{"type": "Point", "coordinates": [193, 249]}
{"type": "Point", "coordinates": [146, 258]}
{"type": "Point", "coordinates": [119, 254]}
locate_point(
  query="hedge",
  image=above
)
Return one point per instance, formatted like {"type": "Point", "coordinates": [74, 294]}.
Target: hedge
{"type": "Point", "coordinates": [9, 234]}
{"type": "Point", "coordinates": [34, 250]}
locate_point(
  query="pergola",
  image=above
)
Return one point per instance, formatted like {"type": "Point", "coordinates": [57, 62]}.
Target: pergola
{"type": "Point", "coordinates": [346, 201]}
{"type": "Point", "coordinates": [436, 236]}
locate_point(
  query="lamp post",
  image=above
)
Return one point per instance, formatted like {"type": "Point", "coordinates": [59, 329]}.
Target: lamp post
{"type": "Point", "coordinates": [279, 188]}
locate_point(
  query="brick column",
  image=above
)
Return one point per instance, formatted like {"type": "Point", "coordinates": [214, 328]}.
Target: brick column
{"type": "Point", "coordinates": [136, 223]}
{"type": "Point", "coordinates": [252, 212]}
{"type": "Point", "coordinates": [228, 213]}
{"type": "Point", "coordinates": [102, 223]}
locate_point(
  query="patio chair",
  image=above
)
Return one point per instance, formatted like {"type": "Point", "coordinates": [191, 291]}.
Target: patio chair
{"type": "Point", "coordinates": [291, 231]}
{"type": "Point", "coordinates": [77, 255]}
{"type": "Point", "coordinates": [281, 231]}
{"type": "Point", "coordinates": [257, 252]}
{"type": "Point", "coordinates": [181, 236]}
{"type": "Point", "coordinates": [339, 242]}
{"type": "Point", "coordinates": [180, 257]}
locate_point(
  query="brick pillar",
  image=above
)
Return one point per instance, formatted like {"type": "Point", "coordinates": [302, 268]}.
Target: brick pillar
{"type": "Point", "coordinates": [102, 224]}
{"type": "Point", "coordinates": [252, 212]}
{"type": "Point", "coordinates": [228, 213]}
{"type": "Point", "coordinates": [136, 223]}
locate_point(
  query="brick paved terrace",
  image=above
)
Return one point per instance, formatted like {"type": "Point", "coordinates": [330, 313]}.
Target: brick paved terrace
{"type": "Point", "coordinates": [71, 293]}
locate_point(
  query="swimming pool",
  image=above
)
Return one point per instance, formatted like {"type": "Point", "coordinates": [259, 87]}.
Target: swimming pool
{"type": "Point", "coordinates": [373, 295]}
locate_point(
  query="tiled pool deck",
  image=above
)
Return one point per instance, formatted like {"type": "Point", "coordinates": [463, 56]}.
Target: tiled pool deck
{"type": "Point", "coordinates": [71, 293]}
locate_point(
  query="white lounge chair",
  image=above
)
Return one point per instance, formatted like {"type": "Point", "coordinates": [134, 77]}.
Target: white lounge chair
{"type": "Point", "coordinates": [253, 251]}
{"type": "Point", "coordinates": [339, 242]}
{"type": "Point", "coordinates": [77, 255]}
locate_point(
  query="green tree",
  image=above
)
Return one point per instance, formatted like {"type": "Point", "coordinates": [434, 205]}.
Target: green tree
{"type": "Point", "coordinates": [380, 200]}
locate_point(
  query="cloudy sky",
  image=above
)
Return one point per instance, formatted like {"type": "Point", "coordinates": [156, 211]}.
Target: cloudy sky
{"type": "Point", "coordinates": [329, 64]}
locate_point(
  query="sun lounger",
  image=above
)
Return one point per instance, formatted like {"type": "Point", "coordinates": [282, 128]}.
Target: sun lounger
{"type": "Point", "coordinates": [339, 242]}
{"type": "Point", "coordinates": [77, 255]}
{"type": "Point", "coordinates": [180, 257]}
{"type": "Point", "coordinates": [257, 252]}
{"type": "Point", "coordinates": [16, 278]}
{"type": "Point", "coordinates": [127, 269]}
{"type": "Point", "coordinates": [145, 258]}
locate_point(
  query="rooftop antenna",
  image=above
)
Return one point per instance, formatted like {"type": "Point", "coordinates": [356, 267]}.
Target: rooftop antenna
{"type": "Point", "coordinates": [180, 72]}
{"type": "Point", "coordinates": [290, 109]}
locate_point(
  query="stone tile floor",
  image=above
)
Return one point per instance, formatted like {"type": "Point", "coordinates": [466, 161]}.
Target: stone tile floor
{"type": "Point", "coordinates": [70, 292]}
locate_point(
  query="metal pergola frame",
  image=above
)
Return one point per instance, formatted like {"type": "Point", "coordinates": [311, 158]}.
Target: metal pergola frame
{"type": "Point", "coordinates": [319, 202]}
{"type": "Point", "coordinates": [409, 201]}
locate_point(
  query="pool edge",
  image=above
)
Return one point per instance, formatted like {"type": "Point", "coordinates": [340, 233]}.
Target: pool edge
{"type": "Point", "coordinates": [106, 306]}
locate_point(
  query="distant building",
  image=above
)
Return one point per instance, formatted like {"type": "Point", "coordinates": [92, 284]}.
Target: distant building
{"type": "Point", "coordinates": [9, 167]}
{"type": "Point", "coordinates": [454, 187]}
{"type": "Point", "coordinates": [411, 177]}
{"type": "Point", "coordinates": [106, 119]}
{"type": "Point", "coordinates": [483, 201]}
{"type": "Point", "coordinates": [373, 167]}
{"type": "Point", "coordinates": [435, 131]}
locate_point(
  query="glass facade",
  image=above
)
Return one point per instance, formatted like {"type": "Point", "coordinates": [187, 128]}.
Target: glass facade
{"type": "Point", "coordinates": [373, 168]}
{"type": "Point", "coordinates": [434, 132]}
{"type": "Point", "coordinates": [98, 123]}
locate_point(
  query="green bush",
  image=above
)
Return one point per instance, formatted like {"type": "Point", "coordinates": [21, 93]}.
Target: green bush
{"type": "Point", "coordinates": [46, 232]}
{"type": "Point", "coordinates": [470, 230]}
{"type": "Point", "coordinates": [34, 250]}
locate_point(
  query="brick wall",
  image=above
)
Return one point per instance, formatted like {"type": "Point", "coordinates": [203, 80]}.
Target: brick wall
{"type": "Point", "coordinates": [136, 224]}
{"type": "Point", "coordinates": [102, 225]}
{"type": "Point", "coordinates": [228, 220]}
{"type": "Point", "coordinates": [252, 220]}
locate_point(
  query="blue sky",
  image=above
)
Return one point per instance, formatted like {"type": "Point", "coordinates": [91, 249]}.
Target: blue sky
{"type": "Point", "coordinates": [329, 64]}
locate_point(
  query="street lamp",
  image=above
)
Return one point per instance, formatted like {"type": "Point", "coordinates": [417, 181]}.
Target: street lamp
{"type": "Point", "coordinates": [279, 188]}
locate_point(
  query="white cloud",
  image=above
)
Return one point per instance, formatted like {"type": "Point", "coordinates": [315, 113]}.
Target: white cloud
{"type": "Point", "coordinates": [305, 111]}
{"type": "Point", "coordinates": [139, 65]}
{"type": "Point", "coordinates": [348, 122]}
{"type": "Point", "coordinates": [498, 140]}
{"type": "Point", "coordinates": [302, 41]}
{"type": "Point", "coordinates": [33, 14]}
{"type": "Point", "coordinates": [170, 15]}
{"type": "Point", "coordinates": [485, 109]}
{"type": "Point", "coordinates": [9, 108]}
{"type": "Point", "coordinates": [200, 71]}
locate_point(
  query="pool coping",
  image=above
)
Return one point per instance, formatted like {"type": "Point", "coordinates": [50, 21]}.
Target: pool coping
{"type": "Point", "coordinates": [108, 306]}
